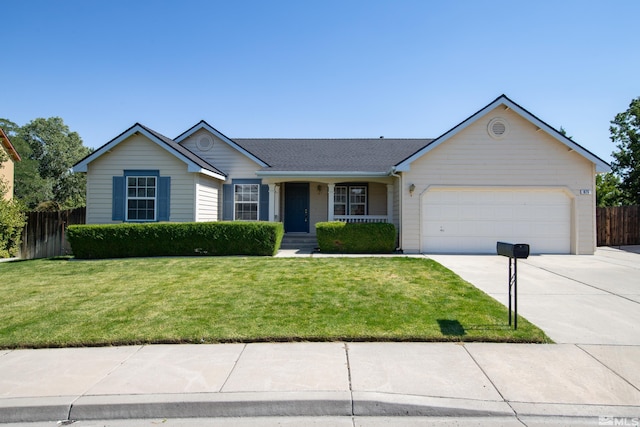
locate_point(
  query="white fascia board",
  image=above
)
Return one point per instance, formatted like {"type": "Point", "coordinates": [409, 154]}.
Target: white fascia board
{"type": "Point", "coordinates": [206, 172]}
{"type": "Point", "coordinates": [82, 165]}
{"type": "Point", "coordinates": [191, 166]}
{"type": "Point", "coordinates": [601, 165]}
{"type": "Point", "coordinates": [321, 174]}
{"type": "Point", "coordinates": [222, 137]}
{"type": "Point", "coordinates": [405, 165]}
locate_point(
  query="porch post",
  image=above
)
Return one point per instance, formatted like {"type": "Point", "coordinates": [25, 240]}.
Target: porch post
{"type": "Point", "coordinates": [331, 188]}
{"type": "Point", "coordinates": [272, 202]}
{"type": "Point", "coordinates": [278, 212]}
{"type": "Point", "coordinates": [390, 203]}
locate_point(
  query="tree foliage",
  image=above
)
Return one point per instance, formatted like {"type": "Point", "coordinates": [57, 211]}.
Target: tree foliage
{"type": "Point", "coordinates": [607, 191]}
{"type": "Point", "coordinates": [625, 132]}
{"type": "Point", "coordinates": [48, 149]}
{"type": "Point", "coordinates": [12, 220]}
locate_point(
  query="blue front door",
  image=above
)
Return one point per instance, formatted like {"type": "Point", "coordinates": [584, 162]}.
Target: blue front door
{"type": "Point", "coordinates": [296, 207]}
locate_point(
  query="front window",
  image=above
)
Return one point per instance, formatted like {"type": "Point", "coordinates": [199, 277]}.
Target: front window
{"type": "Point", "coordinates": [141, 198]}
{"type": "Point", "coordinates": [246, 198]}
{"type": "Point", "coordinates": [340, 201]}
{"type": "Point", "coordinates": [350, 200]}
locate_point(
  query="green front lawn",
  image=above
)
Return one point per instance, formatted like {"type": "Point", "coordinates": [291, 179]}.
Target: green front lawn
{"type": "Point", "coordinates": [212, 299]}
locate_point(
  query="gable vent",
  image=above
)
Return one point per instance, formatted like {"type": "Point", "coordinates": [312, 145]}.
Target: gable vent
{"type": "Point", "coordinates": [204, 143]}
{"type": "Point", "coordinates": [498, 128]}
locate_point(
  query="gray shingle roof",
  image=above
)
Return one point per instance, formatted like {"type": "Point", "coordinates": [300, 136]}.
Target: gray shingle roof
{"type": "Point", "coordinates": [353, 155]}
{"type": "Point", "coordinates": [184, 151]}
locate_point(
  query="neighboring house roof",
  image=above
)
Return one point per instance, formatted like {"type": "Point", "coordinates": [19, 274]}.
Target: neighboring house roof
{"type": "Point", "coordinates": [372, 156]}
{"type": "Point", "coordinates": [194, 163]}
{"type": "Point", "coordinates": [601, 165]}
{"type": "Point", "coordinates": [204, 125]}
{"type": "Point", "coordinates": [4, 139]}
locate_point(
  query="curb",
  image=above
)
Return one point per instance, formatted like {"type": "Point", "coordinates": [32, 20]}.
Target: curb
{"type": "Point", "coordinates": [35, 409]}
{"type": "Point", "coordinates": [222, 405]}
{"type": "Point", "coordinates": [284, 404]}
{"type": "Point", "coordinates": [383, 404]}
{"type": "Point", "coordinates": [211, 405]}
{"type": "Point", "coordinates": [287, 404]}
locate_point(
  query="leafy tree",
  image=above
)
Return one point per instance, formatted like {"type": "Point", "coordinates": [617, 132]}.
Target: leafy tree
{"type": "Point", "coordinates": [29, 186]}
{"type": "Point", "coordinates": [564, 132]}
{"type": "Point", "coordinates": [11, 220]}
{"type": "Point", "coordinates": [625, 132]}
{"type": "Point", "coordinates": [54, 148]}
{"type": "Point", "coordinates": [607, 191]}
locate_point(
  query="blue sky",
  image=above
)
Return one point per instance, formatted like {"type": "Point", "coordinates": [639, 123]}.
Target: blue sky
{"type": "Point", "coordinates": [317, 68]}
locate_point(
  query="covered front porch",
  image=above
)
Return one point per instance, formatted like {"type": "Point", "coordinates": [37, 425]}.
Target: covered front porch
{"type": "Point", "coordinates": [300, 204]}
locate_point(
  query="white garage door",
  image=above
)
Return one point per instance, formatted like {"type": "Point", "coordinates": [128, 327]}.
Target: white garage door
{"type": "Point", "coordinates": [473, 220]}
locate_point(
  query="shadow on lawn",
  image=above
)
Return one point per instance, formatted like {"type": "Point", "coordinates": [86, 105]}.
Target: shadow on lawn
{"type": "Point", "coordinates": [451, 328]}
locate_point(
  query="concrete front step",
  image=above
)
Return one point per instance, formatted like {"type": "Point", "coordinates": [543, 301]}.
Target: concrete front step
{"type": "Point", "coordinates": [299, 242]}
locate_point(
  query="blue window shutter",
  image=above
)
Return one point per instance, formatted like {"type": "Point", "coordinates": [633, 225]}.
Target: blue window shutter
{"type": "Point", "coordinates": [227, 202]}
{"type": "Point", "coordinates": [164, 198]}
{"type": "Point", "coordinates": [117, 201]}
{"type": "Point", "coordinates": [264, 203]}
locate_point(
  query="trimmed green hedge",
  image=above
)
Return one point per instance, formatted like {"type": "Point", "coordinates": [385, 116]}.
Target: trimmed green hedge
{"type": "Point", "coordinates": [175, 239]}
{"type": "Point", "coordinates": [356, 238]}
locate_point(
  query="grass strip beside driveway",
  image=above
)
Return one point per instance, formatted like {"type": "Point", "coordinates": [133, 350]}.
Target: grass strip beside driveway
{"type": "Point", "coordinates": [49, 303]}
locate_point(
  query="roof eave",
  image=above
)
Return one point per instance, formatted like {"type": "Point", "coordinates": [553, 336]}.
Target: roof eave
{"type": "Point", "coordinates": [137, 128]}
{"type": "Point", "coordinates": [9, 146]}
{"type": "Point", "coordinates": [601, 165]}
{"type": "Point", "coordinates": [204, 125]}
{"type": "Point", "coordinates": [212, 174]}
{"type": "Point", "coordinates": [321, 174]}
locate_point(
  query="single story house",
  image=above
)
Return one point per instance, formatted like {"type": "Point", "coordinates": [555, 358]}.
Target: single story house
{"type": "Point", "coordinates": [502, 174]}
{"type": "Point", "coordinates": [8, 166]}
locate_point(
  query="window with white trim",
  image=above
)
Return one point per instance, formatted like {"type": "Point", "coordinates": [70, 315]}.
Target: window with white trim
{"type": "Point", "coordinates": [246, 202]}
{"type": "Point", "coordinates": [358, 200]}
{"type": "Point", "coordinates": [350, 200]}
{"type": "Point", "coordinates": [340, 200]}
{"type": "Point", "coordinates": [141, 198]}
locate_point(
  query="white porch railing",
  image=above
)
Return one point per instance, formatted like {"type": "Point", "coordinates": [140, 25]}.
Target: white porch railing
{"type": "Point", "coordinates": [361, 218]}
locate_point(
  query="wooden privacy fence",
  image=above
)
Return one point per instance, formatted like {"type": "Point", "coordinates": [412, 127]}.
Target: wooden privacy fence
{"type": "Point", "coordinates": [618, 225]}
{"type": "Point", "coordinates": [44, 234]}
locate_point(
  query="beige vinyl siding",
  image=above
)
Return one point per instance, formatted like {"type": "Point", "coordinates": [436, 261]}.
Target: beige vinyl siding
{"type": "Point", "coordinates": [377, 195]}
{"type": "Point", "coordinates": [138, 152]}
{"type": "Point", "coordinates": [6, 175]}
{"type": "Point", "coordinates": [318, 205]}
{"type": "Point", "coordinates": [207, 198]}
{"type": "Point", "coordinates": [226, 158]}
{"type": "Point", "coordinates": [525, 157]}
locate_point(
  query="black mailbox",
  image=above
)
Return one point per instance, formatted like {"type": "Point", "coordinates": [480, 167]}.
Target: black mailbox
{"type": "Point", "coordinates": [513, 250]}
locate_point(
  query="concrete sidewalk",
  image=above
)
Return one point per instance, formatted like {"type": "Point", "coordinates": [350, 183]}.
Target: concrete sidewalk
{"type": "Point", "coordinates": [506, 381]}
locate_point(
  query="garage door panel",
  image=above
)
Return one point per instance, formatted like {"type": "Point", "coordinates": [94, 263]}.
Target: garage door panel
{"type": "Point", "coordinates": [505, 213]}
{"type": "Point", "coordinates": [551, 230]}
{"type": "Point", "coordinates": [479, 213]}
{"type": "Point", "coordinates": [472, 221]}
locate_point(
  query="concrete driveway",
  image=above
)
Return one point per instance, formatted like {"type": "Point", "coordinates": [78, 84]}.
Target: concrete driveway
{"type": "Point", "coordinates": [577, 299]}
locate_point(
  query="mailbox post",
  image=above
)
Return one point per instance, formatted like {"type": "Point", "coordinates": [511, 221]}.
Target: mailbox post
{"type": "Point", "coordinates": [513, 252]}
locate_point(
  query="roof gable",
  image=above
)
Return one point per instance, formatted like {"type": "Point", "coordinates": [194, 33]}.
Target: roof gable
{"type": "Point", "coordinates": [204, 125]}
{"type": "Point", "coordinates": [601, 165]}
{"type": "Point", "coordinates": [193, 162]}
{"type": "Point", "coordinates": [4, 139]}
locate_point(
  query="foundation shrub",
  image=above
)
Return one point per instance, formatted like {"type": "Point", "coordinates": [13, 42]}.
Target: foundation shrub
{"type": "Point", "coordinates": [356, 238]}
{"type": "Point", "coordinates": [175, 239]}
